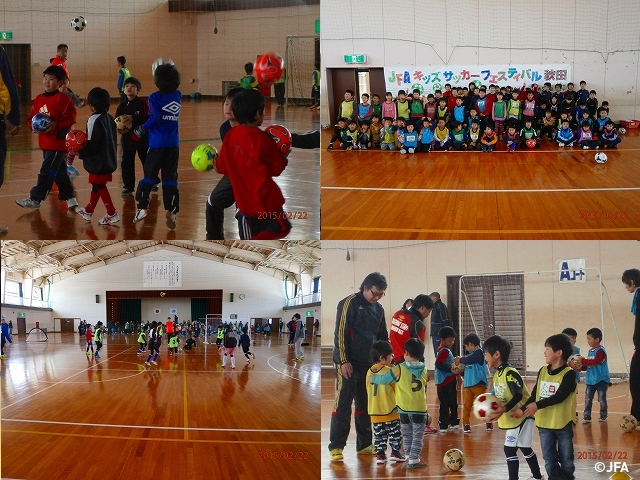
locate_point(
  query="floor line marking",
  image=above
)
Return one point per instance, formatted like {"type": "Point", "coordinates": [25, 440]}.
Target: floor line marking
{"type": "Point", "coordinates": [499, 190]}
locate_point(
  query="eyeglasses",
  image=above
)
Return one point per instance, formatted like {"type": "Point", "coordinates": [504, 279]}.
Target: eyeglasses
{"type": "Point", "coordinates": [376, 294]}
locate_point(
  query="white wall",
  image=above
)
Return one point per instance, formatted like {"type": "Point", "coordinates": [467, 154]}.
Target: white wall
{"type": "Point", "coordinates": [412, 268]}
{"type": "Point", "coordinates": [75, 296]}
{"type": "Point", "coordinates": [599, 39]}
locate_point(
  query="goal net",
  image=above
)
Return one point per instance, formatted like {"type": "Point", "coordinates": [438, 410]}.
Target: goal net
{"type": "Point", "coordinates": [528, 307]}
{"type": "Point", "coordinates": [211, 322]}
{"type": "Point", "coordinates": [301, 55]}
{"type": "Point", "coordinates": [37, 335]}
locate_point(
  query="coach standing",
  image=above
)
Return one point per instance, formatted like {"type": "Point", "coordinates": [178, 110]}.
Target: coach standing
{"type": "Point", "coordinates": [631, 280]}
{"type": "Point", "coordinates": [359, 322]}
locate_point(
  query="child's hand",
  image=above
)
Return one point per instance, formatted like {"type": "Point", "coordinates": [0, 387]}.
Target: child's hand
{"type": "Point", "coordinates": [498, 413]}
{"type": "Point", "coordinates": [517, 413]}
{"type": "Point", "coordinates": [531, 410]}
{"type": "Point", "coordinates": [52, 127]}
{"type": "Point", "coordinates": [456, 359]}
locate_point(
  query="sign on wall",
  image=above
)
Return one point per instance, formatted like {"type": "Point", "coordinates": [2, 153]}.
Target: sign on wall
{"type": "Point", "coordinates": [162, 274]}
{"type": "Point", "coordinates": [428, 79]}
{"type": "Point", "coordinates": [572, 270]}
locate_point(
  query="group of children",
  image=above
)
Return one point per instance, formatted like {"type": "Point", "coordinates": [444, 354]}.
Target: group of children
{"type": "Point", "coordinates": [227, 341]}
{"type": "Point", "coordinates": [475, 119]}
{"type": "Point", "coordinates": [249, 158]}
{"type": "Point", "coordinates": [398, 407]}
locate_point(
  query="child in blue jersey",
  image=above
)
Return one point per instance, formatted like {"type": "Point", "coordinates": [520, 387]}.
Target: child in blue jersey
{"type": "Point", "coordinates": [475, 377]}
{"type": "Point", "coordinates": [602, 118]}
{"type": "Point", "coordinates": [410, 140]}
{"type": "Point", "coordinates": [609, 136]}
{"type": "Point", "coordinates": [381, 402]}
{"type": "Point", "coordinates": [597, 375]}
{"type": "Point", "coordinates": [459, 112]}
{"type": "Point", "coordinates": [164, 141]}
{"type": "Point", "coordinates": [401, 129]}
{"type": "Point", "coordinates": [364, 109]}
{"type": "Point", "coordinates": [446, 381]}
{"type": "Point", "coordinates": [511, 139]}
{"type": "Point", "coordinates": [512, 392]}
{"type": "Point", "coordinates": [565, 136]}
{"type": "Point", "coordinates": [425, 138]}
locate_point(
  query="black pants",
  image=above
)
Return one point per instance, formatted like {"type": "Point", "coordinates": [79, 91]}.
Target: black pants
{"type": "Point", "coordinates": [220, 198]}
{"type": "Point", "coordinates": [315, 94]}
{"type": "Point", "coordinates": [448, 396]}
{"type": "Point", "coordinates": [165, 160]}
{"type": "Point", "coordinates": [634, 385]}
{"type": "Point", "coordinates": [278, 89]}
{"type": "Point", "coordinates": [53, 169]}
{"type": "Point", "coordinates": [128, 164]}
{"type": "Point", "coordinates": [350, 390]}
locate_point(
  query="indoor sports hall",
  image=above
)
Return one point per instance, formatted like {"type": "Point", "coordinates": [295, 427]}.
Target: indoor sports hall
{"type": "Point", "coordinates": [524, 291]}
{"type": "Point", "coordinates": [69, 415]}
{"type": "Point", "coordinates": [548, 192]}
{"type": "Point", "coordinates": [209, 43]}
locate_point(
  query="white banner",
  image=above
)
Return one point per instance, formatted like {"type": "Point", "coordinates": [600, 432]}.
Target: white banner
{"type": "Point", "coordinates": [162, 274]}
{"type": "Point", "coordinates": [572, 270]}
{"type": "Point", "coordinates": [428, 79]}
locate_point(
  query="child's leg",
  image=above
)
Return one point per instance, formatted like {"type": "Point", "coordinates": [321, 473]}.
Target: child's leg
{"type": "Point", "coordinates": [224, 360]}
{"type": "Point", "coordinates": [511, 452]}
{"type": "Point", "coordinates": [380, 436]}
{"type": "Point", "coordinates": [602, 399]}
{"type": "Point", "coordinates": [589, 392]}
{"type": "Point", "coordinates": [395, 437]}
{"type": "Point", "coordinates": [65, 187]}
{"type": "Point", "coordinates": [452, 393]}
{"type": "Point", "coordinates": [233, 361]}
{"type": "Point", "coordinates": [417, 437]}
{"type": "Point", "coordinates": [407, 433]}
{"type": "Point", "coordinates": [524, 440]}
{"type": "Point", "coordinates": [468, 404]}
{"type": "Point", "coordinates": [103, 191]}
{"type": "Point", "coordinates": [151, 169]}
{"type": "Point", "coordinates": [169, 168]}
{"type": "Point", "coordinates": [443, 417]}
{"type": "Point", "coordinates": [220, 198]}
{"type": "Point", "coordinates": [128, 168]}
{"type": "Point", "coordinates": [51, 162]}
{"type": "Point", "coordinates": [565, 451]}
{"type": "Point", "coordinates": [549, 446]}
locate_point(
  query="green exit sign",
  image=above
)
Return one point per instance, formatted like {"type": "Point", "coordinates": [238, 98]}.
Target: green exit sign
{"type": "Point", "coordinates": [355, 58]}
{"type": "Point", "coordinates": [21, 314]}
{"type": "Point", "coordinates": [309, 313]}
{"type": "Point", "coordinates": [317, 26]}
{"type": "Point", "coordinates": [6, 35]}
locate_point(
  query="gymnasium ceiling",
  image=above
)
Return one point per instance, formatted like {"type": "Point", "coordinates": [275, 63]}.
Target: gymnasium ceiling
{"type": "Point", "coordinates": [53, 260]}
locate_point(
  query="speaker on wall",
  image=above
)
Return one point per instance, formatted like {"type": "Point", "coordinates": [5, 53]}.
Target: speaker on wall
{"type": "Point", "coordinates": [231, 297]}
{"type": "Point", "coordinates": [97, 298]}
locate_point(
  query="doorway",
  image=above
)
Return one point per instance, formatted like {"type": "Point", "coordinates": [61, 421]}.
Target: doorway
{"type": "Point", "coordinates": [19, 56]}
{"type": "Point", "coordinates": [22, 325]}
{"type": "Point", "coordinates": [340, 80]}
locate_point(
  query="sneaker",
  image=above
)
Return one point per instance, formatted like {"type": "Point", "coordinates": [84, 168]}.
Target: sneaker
{"type": "Point", "coordinates": [336, 455]}
{"type": "Point", "coordinates": [171, 220]}
{"type": "Point", "coordinates": [126, 192]}
{"type": "Point", "coordinates": [397, 456]}
{"type": "Point", "coordinates": [97, 355]}
{"type": "Point", "coordinates": [417, 464]}
{"type": "Point", "coordinates": [381, 458]}
{"type": "Point", "coordinates": [602, 419]}
{"type": "Point", "coordinates": [140, 214]}
{"type": "Point", "coordinates": [570, 145]}
{"type": "Point", "coordinates": [154, 362]}
{"type": "Point", "coordinates": [454, 427]}
{"type": "Point", "coordinates": [147, 364]}
{"type": "Point", "coordinates": [585, 148]}
{"type": "Point", "coordinates": [109, 219]}
{"type": "Point", "coordinates": [28, 203]}
{"type": "Point", "coordinates": [467, 428]}
{"type": "Point", "coordinates": [586, 420]}
{"type": "Point", "coordinates": [84, 214]}
{"type": "Point", "coordinates": [252, 355]}
{"type": "Point", "coordinates": [370, 450]}
{"type": "Point", "coordinates": [403, 151]}
{"type": "Point", "coordinates": [534, 478]}
{"type": "Point", "coordinates": [72, 203]}
{"type": "Point", "coordinates": [489, 427]}
{"type": "Point", "coordinates": [412, 150]}
{"type": "Point", "coordinates": [444, 430]}
{"type": "Point", "coordinates": [156, 187]}
{"type": "Point", "coordinates": [330, 147]}
{"type": "Point", "coordinates": [72, 171]}
{"type": "Point", "coordinates": [87, 354]}
{"type": "Point", "coordinates": [561, 144]}
{"type": "Point", "coordinates": [430, 430]}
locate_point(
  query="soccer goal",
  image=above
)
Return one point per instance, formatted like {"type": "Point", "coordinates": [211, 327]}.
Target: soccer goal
{"type": "Point", "coordinates": [37, 335]}
{"type": "Point", "coordinates": [211, 321]}
{"type": "Point", "coordinates": [300, 58]}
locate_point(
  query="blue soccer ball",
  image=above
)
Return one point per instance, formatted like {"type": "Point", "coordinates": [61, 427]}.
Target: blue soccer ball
{"type": "Point", "coordinates": [40, 122]}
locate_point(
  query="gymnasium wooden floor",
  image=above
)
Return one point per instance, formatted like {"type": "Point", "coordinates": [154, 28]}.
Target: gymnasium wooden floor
{"type": "Point", "coordinates": [69, 416]}
{"type": "Point", "coordinates": [484, 454]}
{"type": "Point", "coordinates": [199, 123]}
{"type": "Point", "coordinates": [548, 193]}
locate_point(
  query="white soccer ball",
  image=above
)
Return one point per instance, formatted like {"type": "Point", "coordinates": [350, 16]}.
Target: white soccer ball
{"type": "Point", "coordinates": [160, 61]}
{"type": "Point", "coordinates": [601, 157]}
{"type": "Point", "coordinates": [622, 130]}
{"type": "Point", "coordinates": [485, 406]}
{"type": "Point", "coordinates": [454, 459]}
{"type": "Point", "coordinates": [457, 367]}
{"type": "Point", "coordinates": [78, 23]}
{"type": "Point", "coordinates": [628, 423]}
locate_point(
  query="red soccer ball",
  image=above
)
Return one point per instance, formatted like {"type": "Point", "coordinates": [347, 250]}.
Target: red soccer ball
{"type": "Point", "coordinates": [531, 143]}
{"type": "Point", "coordinates": [268, 68]}
{"type": "Point", "coordinates": [282, 136]}
{"type": "Point", "coordinates": [76, 140]}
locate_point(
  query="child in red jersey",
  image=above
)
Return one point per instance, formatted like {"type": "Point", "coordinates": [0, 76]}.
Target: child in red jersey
{"type": "Point", "coordinates": [250, 158]}
{"type": "Point", "coordinates": [88, 335]}
{"type": "Point", "coordinates": [52, 141]}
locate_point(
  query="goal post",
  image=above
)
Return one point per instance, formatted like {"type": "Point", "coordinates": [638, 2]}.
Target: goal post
{"type": "Point", "coordinates": [300, 58]}
{"type": "Point", "coordinates": [36, 334]}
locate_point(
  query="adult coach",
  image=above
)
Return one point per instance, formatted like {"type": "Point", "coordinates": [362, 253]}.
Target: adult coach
{"type": "Point", "coordinates": [409, 323]}
{"type": "Point", "coordinates": [359, 322]}
{"type": "Point", "coordinates": [439, 319]}
{"type": "Point", "coordinates": [9, 111]}
{"type": "Point", "coordinates": [631, 280]}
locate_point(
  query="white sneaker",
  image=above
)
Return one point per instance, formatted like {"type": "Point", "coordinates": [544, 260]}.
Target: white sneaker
{"type": "Point", "coordinates": [84, 214]}
{"type": "Point", "coordinates": [171, 220]}
{"type": "Point", "coordinates": [561, 144]}
{"type": "Point", "coordinates": [109, 219]}
{"type": "Point", "coordinates": [534, 478]}
{"type": "Point", "coordinates": [154, 362]}
{"type": "Point", "coordinates": [28, 203]}
{"type": "Point", "coordinates": [585, 148]}
{"type": "Point", "coordinates": [570, 145]}
{"type": "Point", "coordinates": [72, 203]}
{"type": "Point", "coordinates": [140, 214]}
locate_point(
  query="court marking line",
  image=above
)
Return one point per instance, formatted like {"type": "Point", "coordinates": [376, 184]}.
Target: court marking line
{"type": "Point", "coordinates": [156, 427]}
{"type": "Point", "coordinates": [499, 190]}
{"type": "Point", "coordinates": [184, 394]}
{"type": "Point", "coordinates": [114, 437]}
{"type": "Point", "coordinates": [285, 364]}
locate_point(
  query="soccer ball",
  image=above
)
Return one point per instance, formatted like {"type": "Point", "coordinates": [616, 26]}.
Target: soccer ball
{"type": "Point", "coordinates": [628, 423]}
{"type": "Point", "coordinates": [160, 61]}
{"type": "Point", "coordinates": [458, 367]}
{"type": "Point", "coordinates": [40, 122]}
{"type": "Point", "coordinates": [622, 130]}
{"type": "Point", "coordinates": [268, 68]}
{"type": "Point", "coordinates": [485, 406]}
{"type": "Point", "coordinates": [123, 124]}
{"type": "Point", "coordinates": [76, 140]}
{"type": "Point", "coordinates": [78, 23]}
{"type": "Point", "coordinates": [531, 143]}
{"type": "Point", "coordinates": [454, 459]}
{"type": "Point", "coordinates": [204, 157]}
{"type": "Point", "coordinates": [282, 136]}
{"type": "Point", "coordinates": [601, 157]}
{"type": "Point", "coordinates": [575, 362]}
